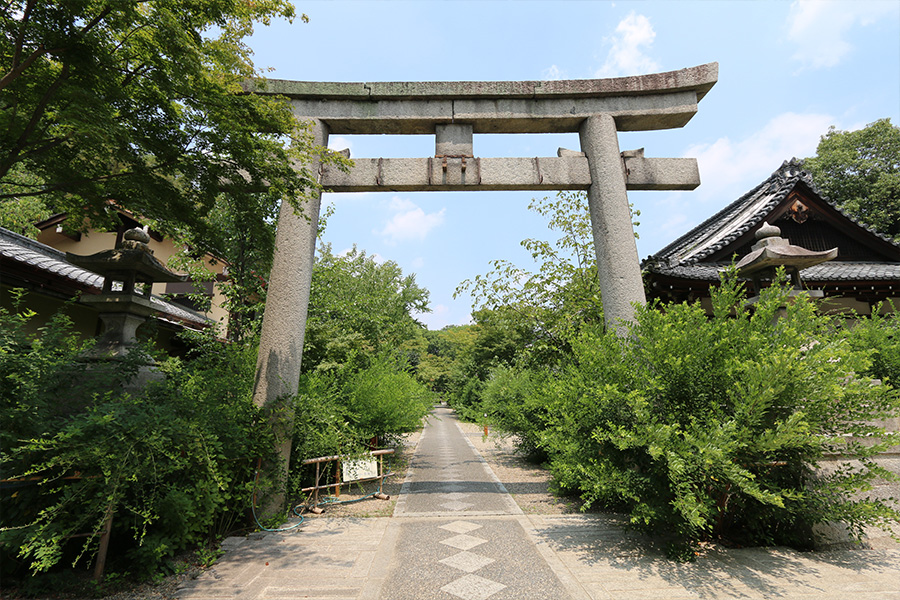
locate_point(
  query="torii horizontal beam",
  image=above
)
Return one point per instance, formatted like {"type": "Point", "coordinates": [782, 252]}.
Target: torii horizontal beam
{"type": "Point", "coordinates": [474, 174]}
{"type": "Point", "coordinates": [645, 102]}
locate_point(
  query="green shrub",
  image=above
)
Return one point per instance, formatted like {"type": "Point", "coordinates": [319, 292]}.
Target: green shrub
{"type": "Point", "coordinates": [712, 427]}
{"type": "Point", "coordinates": [881, 335]}
{"type": "Point", "coordinates": [173, 462]}
{"type": "Point", "coordinates": [509, 403]}
{"type": "Point", "coordinates": [466, 400]}
{"type": "Point", "coordinates": [340, 411]}
{"type": "Point", "coordinates": [385, 400]}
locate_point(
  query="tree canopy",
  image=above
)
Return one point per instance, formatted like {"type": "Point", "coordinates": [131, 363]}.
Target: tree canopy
{"type": "Point", "coordinates": [144, 103]}
{"type": "Point", "coordinates": [535, 310]}
{"type": "Point", "coordinates": [358, 305]}
{"type": "Point", "coordinates": [860, 171]}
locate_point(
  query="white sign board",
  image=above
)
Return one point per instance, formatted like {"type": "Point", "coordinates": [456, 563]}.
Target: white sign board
{"type": "Point", "coordinates": [360, 468]}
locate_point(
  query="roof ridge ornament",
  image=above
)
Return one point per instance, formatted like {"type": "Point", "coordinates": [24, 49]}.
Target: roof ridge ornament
{"type": "Point", "coordinates": [793, 168]}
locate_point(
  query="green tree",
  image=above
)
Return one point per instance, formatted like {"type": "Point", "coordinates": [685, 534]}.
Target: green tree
{"type": "Point", "coordinates": [174, 460]}
{"type": "Point", "coordinates": [441, 356]}
{"type": "Point", "coordinates": [243, 235]}
{"type": "Point", "coordinates": [538, 310]}
{"type": "Point", "coordinates": [144, 102]}
{"type": "Point", "coordinates": [20, 214]}
{"type": "Point", "coordinates": [358, 306]}
{"type": "Point", "coordinates": [860, 171]}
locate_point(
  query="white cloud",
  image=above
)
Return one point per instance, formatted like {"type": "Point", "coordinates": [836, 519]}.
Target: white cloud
{"type": "Point", "coordinates": [410, 222]}
{"type": "Point", "coordinates": [729, 167]}
{"type": "Point", "coordinates": [819, 27]}
{"type": "Point", "coordinates": [551, 73]}
{"type": "Point", "coordinates": [398, 204]}
{"type": "Point", "coordinates": [338, 142]}
{"type": "Point", "coordinates": [634, 35]}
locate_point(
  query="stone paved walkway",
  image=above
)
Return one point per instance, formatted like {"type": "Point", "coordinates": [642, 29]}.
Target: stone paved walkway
{"type": "Point", "coordinates": [457, 534]}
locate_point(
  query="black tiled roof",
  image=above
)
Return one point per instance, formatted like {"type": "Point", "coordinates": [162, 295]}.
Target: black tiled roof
{"type": "Point", "coordinates": [40, 256]}
{"type": "Point", "coordinates": [20, 249]}
{"type": "Point", "coordinates": [825, 272]}
{"type": "Point", "coordinates": [685, 256]}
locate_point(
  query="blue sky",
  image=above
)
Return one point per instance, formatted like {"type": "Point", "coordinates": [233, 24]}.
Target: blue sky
{"type": "Point", "coordinates": [787, 71]}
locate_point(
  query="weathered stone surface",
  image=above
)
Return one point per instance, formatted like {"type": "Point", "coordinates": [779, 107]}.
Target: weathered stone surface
{"type": "Point", "coordinates": [284, 320]}
{"type": "Point", "coordinates": [656, 101]}
{"type": "Point", "coordinates": [698, 79]}
{"type": "Point", "coordinates": [618, 266]}
{"type": "Point", "coordinates": [567, 172]}
{"type": "Point", "coordinates": [501, 115]}
{"type": "Point", "coordinates": [661, 173]}
{"type": "Point", "coordinates": [559, 115]}
{"type": "Point", "coordinates": [451, 89]}
{"type": "Point", "coordinates": [453, 140]}
{"type": "Point", "coordinates": [385, 116]}
{"type": "Point", "coordinates": [416, 174]}
{"type": "Point", "coordinates": [309, 89]}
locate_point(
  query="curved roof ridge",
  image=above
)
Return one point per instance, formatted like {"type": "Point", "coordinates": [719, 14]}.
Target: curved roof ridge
{"type": "Point", "coordinates": [815, 189]}
{"type": "Point", "coordinates": [788, 173]}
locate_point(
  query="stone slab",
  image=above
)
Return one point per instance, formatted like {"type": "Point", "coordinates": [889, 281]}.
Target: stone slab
{"type": "Point", "coordinates": [504, 115]}
{"type": "Point", "coordinates": [699, 79]}
{"type": "Point", "coordinates": [453, 139]}
{"type": "Point", "coordinates": [569, 172]}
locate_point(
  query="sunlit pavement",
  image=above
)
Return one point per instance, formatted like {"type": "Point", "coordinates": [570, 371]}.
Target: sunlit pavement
{"type": "Point", "coordinates": [457, 534]}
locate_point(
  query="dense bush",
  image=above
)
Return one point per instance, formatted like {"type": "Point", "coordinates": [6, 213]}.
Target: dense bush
{"type": "Point", "coordinates": [173, 463]}
{"type": "Point", "coordinates": [341, 411]}
{"type": "Point", "coordinates": [712, 427]}
{"type": "Point", "coordinates": [879, 334]}
{"type": "Point", "coordinates": [508, 402]}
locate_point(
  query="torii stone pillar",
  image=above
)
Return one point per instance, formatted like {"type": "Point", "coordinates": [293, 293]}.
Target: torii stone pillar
{"type": "Point", "coordinates": [284, 321]}
{"type": "Point", "coordinates": [618, 265]}
{"type": "Point", "coordinates": [453, 112]}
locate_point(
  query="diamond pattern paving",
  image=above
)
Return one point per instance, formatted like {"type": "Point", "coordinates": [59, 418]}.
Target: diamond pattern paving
{"type": "Point", "coordinates": [461, 526]}
{"type": "Point", "coordinates": [463, 542]}
{"type": "Point", "coordinates": [457, 496]}
{"type": "Point", "coordinates": [467, 561]}
{"type": "Point", "coordinates": [473, 587]}
{"type": "Point", "coordinates": [437, 552]}
{"type": "Point", "coordinates": [454, 505]}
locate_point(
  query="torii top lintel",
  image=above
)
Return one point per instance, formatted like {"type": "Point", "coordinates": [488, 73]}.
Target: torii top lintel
{"type": "Point", "coordinates": [644, 102]}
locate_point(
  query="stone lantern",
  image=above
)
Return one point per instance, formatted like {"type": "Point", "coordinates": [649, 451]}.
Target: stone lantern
{"type": "Point", "coordinates": [123, 310]}
{"type": "Point", "coordinates": [772, 251]}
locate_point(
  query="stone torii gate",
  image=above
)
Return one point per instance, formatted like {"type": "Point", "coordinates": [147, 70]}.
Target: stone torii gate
{"type": "Point", "coordinates": [453, 111]}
